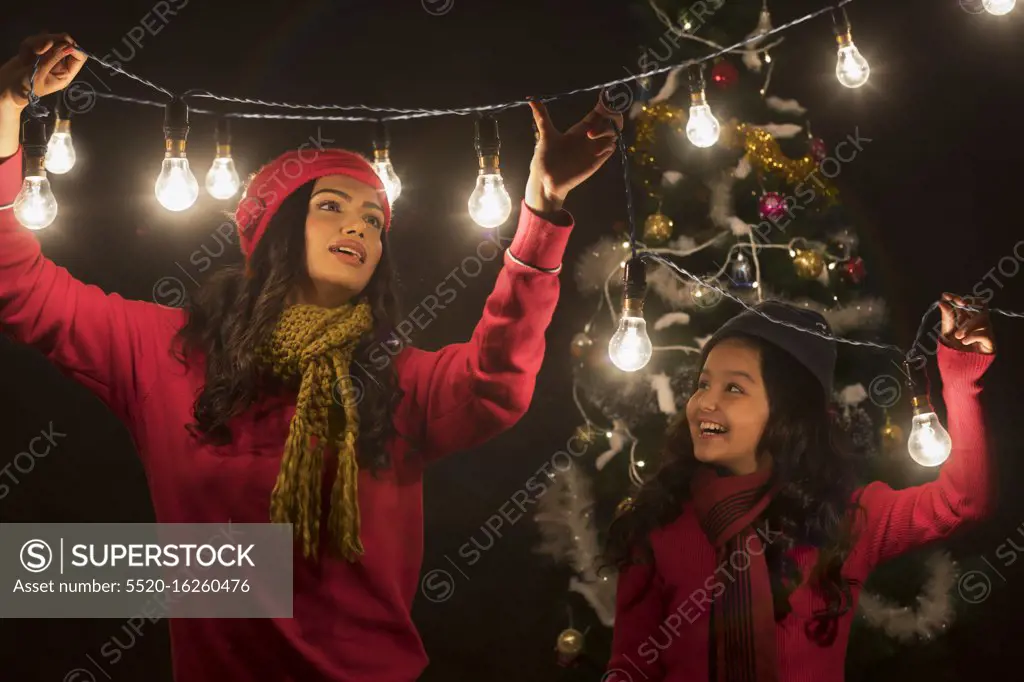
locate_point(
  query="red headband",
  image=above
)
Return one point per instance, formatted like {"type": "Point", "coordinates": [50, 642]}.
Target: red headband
{"type": "Point", "coordinates": [276, 180]}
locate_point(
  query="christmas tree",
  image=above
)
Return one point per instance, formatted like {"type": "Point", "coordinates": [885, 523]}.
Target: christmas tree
{"type": "Point", "coordinates": [749, 205]}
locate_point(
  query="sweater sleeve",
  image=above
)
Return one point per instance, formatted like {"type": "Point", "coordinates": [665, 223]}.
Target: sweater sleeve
{"type": "Point", "coordinates": [466, 393]}
{"type": "Point", "coordinates": [897, 521]}
{"type": "Point", "coordinates": [639, 613]}
{"type": "Point", "coordinates": [91, 337]}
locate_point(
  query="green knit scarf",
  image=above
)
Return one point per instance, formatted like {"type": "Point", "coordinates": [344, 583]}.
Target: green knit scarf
{"type": "Point", "coordinates": [313, 346]}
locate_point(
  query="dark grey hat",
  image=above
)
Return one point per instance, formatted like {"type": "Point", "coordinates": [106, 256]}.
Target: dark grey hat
{"type": "Point", "coordinates": [813, 352]}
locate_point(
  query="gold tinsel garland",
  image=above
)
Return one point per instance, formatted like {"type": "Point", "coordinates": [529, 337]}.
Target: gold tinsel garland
{"type": "Point", "coordinates": [761, 148]}
{"type": "Point", "coordinates": [642, 149]}
{"type": "Point", "coordinates": [764, 152]}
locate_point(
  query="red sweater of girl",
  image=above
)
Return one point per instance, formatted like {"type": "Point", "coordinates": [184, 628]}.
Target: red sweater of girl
{"type": "Point", "coordinates": [662, 636]}
{"type": "Point", "coordinates": [351, 621]}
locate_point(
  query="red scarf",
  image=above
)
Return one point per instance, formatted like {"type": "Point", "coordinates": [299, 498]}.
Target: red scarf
{"type": "Point", "coordinates": [742, 636]}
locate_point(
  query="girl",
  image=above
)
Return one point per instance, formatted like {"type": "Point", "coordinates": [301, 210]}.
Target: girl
{"type": "Point", "coordinates": [743, 558]}
{"type": "Point", "coordinates": [257, 416]}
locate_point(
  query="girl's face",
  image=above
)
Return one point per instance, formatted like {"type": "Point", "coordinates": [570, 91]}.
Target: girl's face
{"type": "Point", "coordinates": [344, 228]}
{"type": "Point", "coordinates": [730, 396]}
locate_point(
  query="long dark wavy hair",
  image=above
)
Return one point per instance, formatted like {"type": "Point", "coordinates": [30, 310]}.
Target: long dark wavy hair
{"type": "Point", "coordinates": [814, 506]}
{"type": "Point", "coordinates": [232, 314]}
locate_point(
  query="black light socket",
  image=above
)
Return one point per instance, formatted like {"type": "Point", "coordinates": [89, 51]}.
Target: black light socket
{"type": "Point", "coordinates": [487, 141]}
{"type": "Point", "coordinates": [841, 27]}
{"type": "Point", "coordinates": [33, 138]}
{"type": "Point", "coordinates": [176, 119]}
{"type": "Point", "coordinates": [222, 134]}
{"type": "Point", "coordinates": [634, 279]}
{"type": "Point", "coordinates": [62, 111]}
{"type": "Point", "coordinates": [381, 137]}
{"type": "Point", "coordinates": [697, 83]}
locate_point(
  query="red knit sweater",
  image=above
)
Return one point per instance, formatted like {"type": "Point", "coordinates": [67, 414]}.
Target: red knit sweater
{"type": "Point", "coordinates": [663, 637]}
{"type": "Point", "coordinates": [351, 622]}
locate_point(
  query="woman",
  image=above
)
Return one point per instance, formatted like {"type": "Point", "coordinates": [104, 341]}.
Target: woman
{"type": "Point", "coordinates": [255, 417]}
{"type": "Point", "coordinates": [743, 558]}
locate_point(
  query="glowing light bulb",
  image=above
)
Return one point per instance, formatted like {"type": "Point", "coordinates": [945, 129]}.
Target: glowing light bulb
{"type": "Point", "coordinates": [176, 187]}
{"type": "Point", "coordinates": [222, 181]}
{"type": "Point", "coordinates": [382, 163]}
{"type": "Point", "coordinates": [702, 129]}
{"type": "Point", "coordinates": [60, 152]}
{"type": "Point", "coordinates": [630, 348]}
{"type": "Point", "coordinates": [929, 444]}
{"type": "Point", "coordinates": [35, 207]}
{"type": "Point", "coordinates": [490, 204]}
{"type": "Point", "coordinates": [852, 69]}
{"type": "Point", "coordinates": [998, 7]}
{"type": "Point", "coordinates": [388, 176]}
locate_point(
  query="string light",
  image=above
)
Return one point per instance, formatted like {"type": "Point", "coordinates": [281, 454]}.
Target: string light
{"type": "Point", "coordinates": [222, 181]}
{"type": "Point", "coordinates": [929, 443]}
{"type": "Point", "coordinates": [489, 204]}
{"type": "Point", "coordinates": [382, 163]}
{"type": "Point", "coordinates": [630, 347]}
{"type": "Point", "coordinates": [60, 151]}
{"type": "Point", "coordinates": [702, 128]}
{"type": "Point", "coordinates": [176, 187]}
{"type": "Point", "coordinates": [852, 69]}
{"type": "Point", "coordinates": [35, 207]}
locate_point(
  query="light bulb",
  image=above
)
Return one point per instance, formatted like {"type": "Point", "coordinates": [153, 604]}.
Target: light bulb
{"type": "Point", "coordinates": [702, 129]}
{"type": "Point", "coordinates": [60, 152]}
{"type": "Point", "coordinates": [176, 187]}
{"type": "Point", "coordinates": [630, 348]}
{"type": "Point", "coordinates": [388, 176]}
{"type": "Point", "coordinates": [35, 207]}
{"type": "Point", "coordinates": [929, 444]}
{"type": "Point", "coordinates": [852, 69]}
{"type": "Point", "coordinates": [222, 181]}
{"type": "Point", "coordinates": [489, 204]}
{"type": "Point", "coordinates": [998, 7]}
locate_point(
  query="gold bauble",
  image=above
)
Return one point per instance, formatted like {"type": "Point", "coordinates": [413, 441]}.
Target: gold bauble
{"type": "Point", "coordinates": [808, 263]}
{"type": "Point", "coordinates": [657, 228]}
{"type": "Point", "coordinates": [570, 642]}
{"type": "Point", "coordinates": [585, 434]}
{"type": "Point", "coordinates": [581, 343]}
{"type": "Point", "coordinates": [892, 435]}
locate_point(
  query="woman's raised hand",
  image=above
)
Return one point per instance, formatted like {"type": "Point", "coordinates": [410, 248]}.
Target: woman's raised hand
{"type": "Point", "coordinates": [562, 161]}
{"type": "Point", "coordinates": [59, 65]}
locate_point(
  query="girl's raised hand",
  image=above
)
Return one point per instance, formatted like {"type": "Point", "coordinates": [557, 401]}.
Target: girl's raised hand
{"type": "Point", "coordinates": [966, 330]}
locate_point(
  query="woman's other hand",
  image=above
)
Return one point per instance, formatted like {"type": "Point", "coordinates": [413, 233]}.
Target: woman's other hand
{"type": "Point", "coordinates": [59, 64]}
{"type": "Point", "coordinates": [966, 330]}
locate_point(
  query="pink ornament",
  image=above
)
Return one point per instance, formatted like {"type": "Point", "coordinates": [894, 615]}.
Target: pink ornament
{"type": "Point", "coordinates": [818, 149]}
{"type": "Point", "coordinates": [771, 206]}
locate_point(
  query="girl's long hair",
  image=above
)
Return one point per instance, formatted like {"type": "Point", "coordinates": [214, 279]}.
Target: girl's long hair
{"type": "Point", "coordinates": [232, 314]}
{"type": "Point", "coordinates": [814, 506]}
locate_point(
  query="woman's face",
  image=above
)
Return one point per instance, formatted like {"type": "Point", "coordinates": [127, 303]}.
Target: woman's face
{"type": "Point", "coordinates": [344, 229]}
{"type": "Point", "coordinates": [730, 395]}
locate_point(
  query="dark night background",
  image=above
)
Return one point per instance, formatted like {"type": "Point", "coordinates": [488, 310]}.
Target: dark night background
{"type": "Point", "coordinates": [935, 198]}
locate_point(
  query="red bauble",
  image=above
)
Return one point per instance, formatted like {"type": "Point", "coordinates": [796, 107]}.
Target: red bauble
{"type": "Point", "coordinates": [724, 74]}
{"type": "Point", "coordinates": [771, 206]}
{"type": "Point", "coordinates": [818, 149]}
{"type": "Point", "coordinates": [854, 270]}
